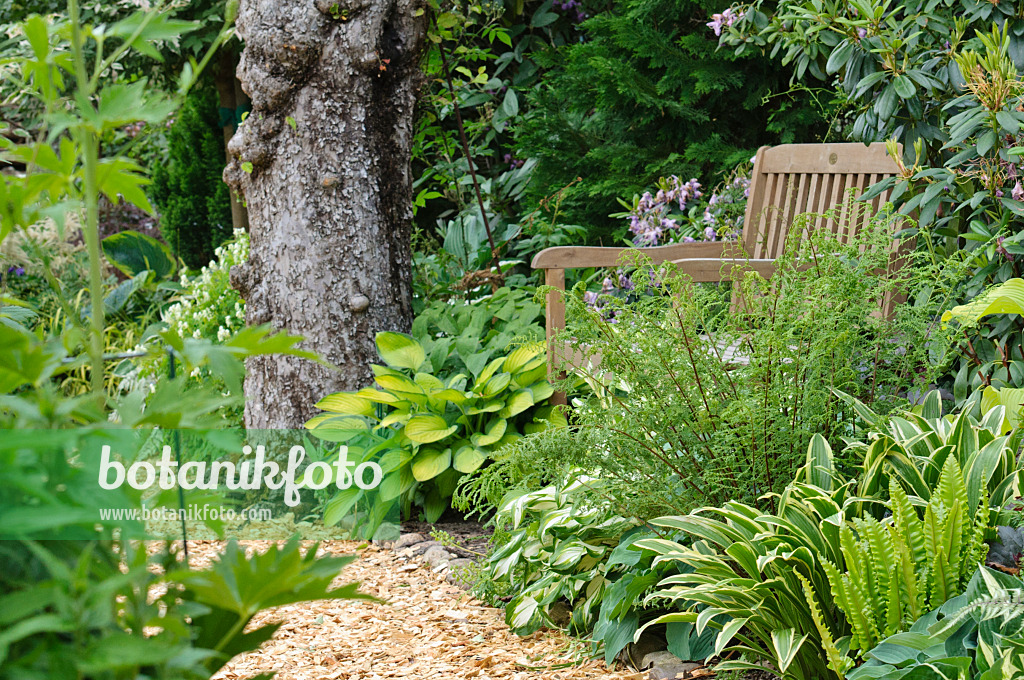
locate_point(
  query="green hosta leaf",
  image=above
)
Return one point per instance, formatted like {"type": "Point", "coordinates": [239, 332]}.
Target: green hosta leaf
{"type": "Point", "coordinates": [1006, 298]}
{"type": "Point", "coordinates": [398, 383]}
{"type": "Point", "coordinates": [496, 384]}
{"type": "Point", "coordinates": [468, 459]}
{"type": "Point", "coordinates": [518, 402]}
{"type": "Point", "coordinates": [523, 615]}
{"type": "Point", "coordinates": [132, 253]}
{"type": "Point", "coordinates": [786, 646]}
{"type": "Point", "coordinates": [1012, 399]}
{"type": "Point", "coordinates": [397, 483]}
{"type": "Point", "coordinates": [430, 462]}
{"type": "Point", "coordinates": [347, 403]}
{"type": "Point", "coordinates": [379, 396]}
{"type": "Point", "coordinates": [521, 356]}
{"type": "Point", "coordinates": [333, 428]}
{"type": "Point", "coordinates": [425, 429]}
{"type": "Point", "coordinates": [495, 431]}
{"type": "Point", "coordinates": [400, 351]}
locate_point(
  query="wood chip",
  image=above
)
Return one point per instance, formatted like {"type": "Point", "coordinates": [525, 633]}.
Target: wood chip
{"type": "Point", "coordinates": [428, 629]}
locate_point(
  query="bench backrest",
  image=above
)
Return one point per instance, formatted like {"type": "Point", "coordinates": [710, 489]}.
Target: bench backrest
{"type": "Point", "coordinates": [810, 178]}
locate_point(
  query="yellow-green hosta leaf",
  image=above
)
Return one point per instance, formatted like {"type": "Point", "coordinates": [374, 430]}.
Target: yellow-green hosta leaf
{"type": "Point", "coordinates": [428, 382]}
{"type": "Point", "coordinates": [399, 416]}
{"type": "Point", "coordinates": [541, 390]}
{"type": "Point", "coordinates": [468, 459]}
{"type": "Point", "coordinates": [346, 402]}
{"type": "Point", "coordinates": [486, 374]}
{"type": "Point", "coordinates": [1010, 398]}
{"type": "Point", "coordinates": [454, 396]}
{"type": "Point", "coordinates": [494, 432]}
{"type": "Point", "coordinates": [425, 429]}
{"type": "Point", "coordinates": [400, 351]}
{"type": "Point", "coordinates": [518, 402]}
{"type": "Point", "coordinates": [1006, 298]}
{"type": "Point", "coordinates": [379, 396]}
{"type": "Point", "coordinates": [332, 428]}
{"type": "Point", "coordinates": [489, 407]}
{"type": "Point", "coordinates": [430, 462]}
{"type": "Point", "coordinates": [496, 384]}
{"type": "Point", "coordinates": [522, 356]}
{"type": "Point", "coordinates": [395, 383]}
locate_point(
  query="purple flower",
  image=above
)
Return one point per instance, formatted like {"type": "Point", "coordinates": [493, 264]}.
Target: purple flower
{"type": "Point", "coordinates": [862, 33]}
{"type": "Point", "coordinates": [709, 233]}
{"type": "Point", "coordinates": [17, 271]}
{"type": "Point", "coordinates": [723, 20]}
{"type": "Point", "coordinates": [625, 283]}
{"type": "Point", "coordinates": [1018, 192]}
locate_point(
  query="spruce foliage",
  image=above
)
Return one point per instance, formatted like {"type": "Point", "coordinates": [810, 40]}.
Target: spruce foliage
{"type": "Point", "coordinates": [194, 202]}
{"type": "Point", "coordinates": [647, 93]}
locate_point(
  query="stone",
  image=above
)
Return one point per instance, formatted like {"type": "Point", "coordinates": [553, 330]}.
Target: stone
{"type": "Point", "coordinates": [437, 556]}
{"type": "Point", "coordinates": [405, 540]}
{"type": "Point", "coordinates": [667, 666]}
{"type": "Point", "coordinates": [422, 547]}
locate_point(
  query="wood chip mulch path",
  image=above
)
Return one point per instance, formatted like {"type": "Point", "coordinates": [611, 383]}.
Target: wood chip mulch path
{"type": "Point", "coordinates": [428, 628]}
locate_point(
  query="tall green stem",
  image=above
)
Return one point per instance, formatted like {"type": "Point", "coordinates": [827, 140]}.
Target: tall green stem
{"type": "Point", "coordinates": [89, 145]}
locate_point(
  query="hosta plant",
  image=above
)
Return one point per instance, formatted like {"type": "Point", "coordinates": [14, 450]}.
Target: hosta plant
{"type": "Point", "coordinates": [760, 580]}
{"type": "Point", "coordinates": [913, 447]}
{"type": "Point", "coordinates": [571, 562]}
{"type": "Point", "coordinates": [800, 586]}
{"type": "Point", "coordinates": [435, 430]}
{"type": "Point", "coordinates": [975, 636]}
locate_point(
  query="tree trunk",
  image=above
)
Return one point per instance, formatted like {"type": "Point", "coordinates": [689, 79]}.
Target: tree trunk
{"type": "Point", "coordinates": [323, 162]}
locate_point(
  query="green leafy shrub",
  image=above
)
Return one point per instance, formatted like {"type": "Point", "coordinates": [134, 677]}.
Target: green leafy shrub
{"type": "Point", "coordinates": [568, 561]}
{"type": "Point", "coordinates": [696, 401]}
{"type": "Point", "coordinates": [207, 307]}
{"type": "Point", "coordinates": [463, 337]}
{"type": "Point", "coordinates": [977, 635]}
{"type": "Point", "coordinates": [438, 429]}
{"type": "Point", "coordinates": [647, 94]}
{"type": "Point", "coordinates": [803, 585]}
{"type": "Point", "coordinates": [892, 63]}
{"type": "Point", "coordinates": [194, 202]}
{"type": "Point", "coordinates": [992, 344]}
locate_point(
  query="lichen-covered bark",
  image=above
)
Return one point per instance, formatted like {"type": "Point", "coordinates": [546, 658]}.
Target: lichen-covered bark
{"type": "Point", "coordinates": [323, 163]}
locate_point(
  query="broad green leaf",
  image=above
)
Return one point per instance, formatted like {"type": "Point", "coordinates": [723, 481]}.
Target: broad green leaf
{"type": "Point", "coordinates": [518, 402]}
{"type": "Point", "coordinates": [346, 402]}
{"type": "Point", "coordinates": [400, 351]}
{"type": "Point", "coordinates": [1006, 298]}
{"type": "Point", "coordinates": [468, 459]}
{"type": "Point", "coordinates": [424, 429]}
{"type": "Point", "coordinates": [430, 462]}
{"type": "Point", "coordinates": [133, 252]}
{"type": "Point", "coordinates": [495, 431]}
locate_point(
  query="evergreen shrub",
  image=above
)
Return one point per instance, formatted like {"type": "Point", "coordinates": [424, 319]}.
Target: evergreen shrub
{"type": "Point", "coordinates": [194, 202]}
{"type": "Point", "coordinates": [647, 93]}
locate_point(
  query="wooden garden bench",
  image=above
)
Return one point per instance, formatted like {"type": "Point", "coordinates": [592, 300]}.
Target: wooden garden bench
{"type": "Point", "coordinates": [786, 181]}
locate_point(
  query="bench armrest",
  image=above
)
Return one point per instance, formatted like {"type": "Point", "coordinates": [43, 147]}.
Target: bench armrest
{"type": "Point", "coordinates": [575, 257]}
